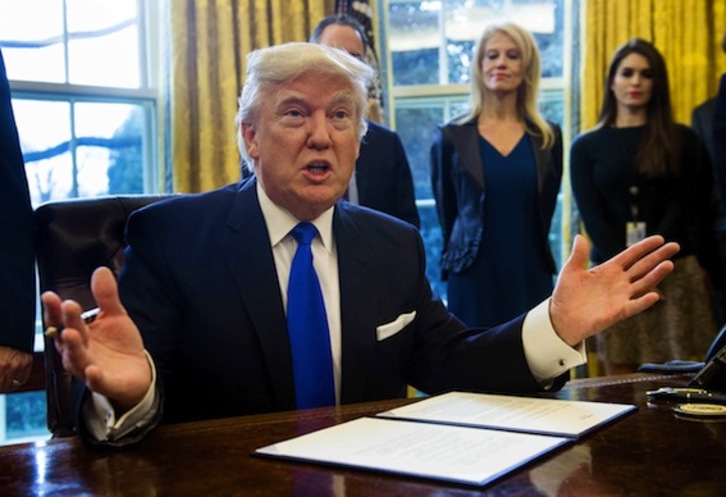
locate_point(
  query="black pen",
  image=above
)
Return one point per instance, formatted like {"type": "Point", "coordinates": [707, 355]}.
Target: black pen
{"type": "Point", "coordinates": [687, 394]}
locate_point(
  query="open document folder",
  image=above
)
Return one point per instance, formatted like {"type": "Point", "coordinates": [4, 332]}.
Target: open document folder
{"type": "Point", "coordinates": [565, 418]}
{"type": "Point", "coordinates": [429, 439]}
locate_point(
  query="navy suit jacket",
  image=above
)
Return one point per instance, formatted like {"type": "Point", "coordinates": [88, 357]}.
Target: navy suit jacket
{"type": "Point", "coordinates": [717, 137]}
{"type": "Point", "coordinates": [703, 124]}
{"type": "Point", "coordinates": [200, 282]}
{"type": "Point", "coordinates": [17, 269]}
{"type": "Point", "coordinates": [383, 175]}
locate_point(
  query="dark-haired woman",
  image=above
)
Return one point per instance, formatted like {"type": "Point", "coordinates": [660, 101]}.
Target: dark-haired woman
{"type": "Point", "coordinates": [638, 173]}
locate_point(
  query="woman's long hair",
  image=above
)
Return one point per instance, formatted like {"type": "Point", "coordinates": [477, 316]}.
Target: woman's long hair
{"type": "Point", "coordinates": [526, 93]}
{"type": "Point", "coordinates": [659, 151]}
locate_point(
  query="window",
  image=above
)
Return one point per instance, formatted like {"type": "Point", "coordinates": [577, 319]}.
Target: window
{"type": "Point", "coordinates": [427, 47]}
{"type": "Point", "coordinates": [85, 107]}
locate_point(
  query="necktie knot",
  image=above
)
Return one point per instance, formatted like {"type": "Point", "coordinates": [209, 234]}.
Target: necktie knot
{"type": "Point", "coordinates": [304, 233]}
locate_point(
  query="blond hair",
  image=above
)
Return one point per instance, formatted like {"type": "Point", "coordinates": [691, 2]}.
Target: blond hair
{"type": "Point", "coordinates": [526, 93]}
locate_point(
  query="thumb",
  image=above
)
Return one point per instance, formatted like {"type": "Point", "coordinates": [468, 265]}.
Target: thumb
{"type": "Point", "coordinates": [580, 253]}
{"type": "Point", "coordinates": [105, 291]}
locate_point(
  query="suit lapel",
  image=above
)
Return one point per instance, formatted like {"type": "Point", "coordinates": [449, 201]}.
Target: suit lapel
{"type": "Point", "coordinates": [250, 260]}
{"type": "Point", "coordinates": [358, 306]}
{"type": "Point", "coordinates": [466, 141]}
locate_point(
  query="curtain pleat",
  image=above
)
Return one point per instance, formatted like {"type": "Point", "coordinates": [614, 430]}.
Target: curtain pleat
{"type": "Point", "coordinates": [688, 34]}
{"type": "Point", "coordinates": [209, 42]}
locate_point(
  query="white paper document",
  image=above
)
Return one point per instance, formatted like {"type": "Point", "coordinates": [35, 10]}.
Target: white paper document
{"type": "Point", "coordinates": [566, 418]}
{"type": "Point", "coordinates": [459, 454]}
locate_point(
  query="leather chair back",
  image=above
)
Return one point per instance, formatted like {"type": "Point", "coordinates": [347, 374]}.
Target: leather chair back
{"type": "Point", "coordinates": [74, 237]}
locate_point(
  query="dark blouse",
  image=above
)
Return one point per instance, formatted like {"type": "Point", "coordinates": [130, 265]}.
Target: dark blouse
{"type": "Point", "coordinates": [610, 191]}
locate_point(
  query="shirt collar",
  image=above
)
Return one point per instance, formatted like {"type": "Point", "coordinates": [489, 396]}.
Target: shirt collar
{"type": "Point", "coordinates": [280, 221]}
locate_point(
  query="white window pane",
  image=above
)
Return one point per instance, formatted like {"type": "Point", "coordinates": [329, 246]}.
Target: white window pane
{"type": "Point", "coordinates": [103, 43]}
{"type": "Point", "coordinates": [33, 43]}
{"type": "Point", "coordinates": [45, 134]}
{"type": "Point", "coordinates": [109, 60]}
{"type": "Point", "coordinates": [414, 39]}
{"type": "Point", "coordinates": [109, 152]}
{"type": "Point", "coordinates": [433, 42]}
{"type": "Point", "coordinates": [91, 15]}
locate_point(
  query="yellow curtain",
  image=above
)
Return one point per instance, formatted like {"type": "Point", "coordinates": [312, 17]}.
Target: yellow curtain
{"type": "Point", "coordinates": [209, 40]}
{"type": "Point", "coordinates": [688, 34]}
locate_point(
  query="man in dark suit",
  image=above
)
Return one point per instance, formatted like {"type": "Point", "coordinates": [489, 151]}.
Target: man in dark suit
{"type": "Point", "coordinates": [703, 122]}
{"type": "Point", "coordinates": [382, 178]}
{"type": "Point", "coordinates": [205, 282]}
{"type": "Point", "coordinates": [17, 272]}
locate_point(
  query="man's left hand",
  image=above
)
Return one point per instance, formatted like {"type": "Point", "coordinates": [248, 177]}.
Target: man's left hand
{"type": "Point", "coordinates": [586, 301]}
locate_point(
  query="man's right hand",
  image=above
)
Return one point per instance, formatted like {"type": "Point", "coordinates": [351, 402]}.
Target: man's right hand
{"type": "Point", "coordinates": [107, 355]}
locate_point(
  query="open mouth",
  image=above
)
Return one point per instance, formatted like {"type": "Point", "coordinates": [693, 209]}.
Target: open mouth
{"type": "Point", "coordinates": [317, 168]}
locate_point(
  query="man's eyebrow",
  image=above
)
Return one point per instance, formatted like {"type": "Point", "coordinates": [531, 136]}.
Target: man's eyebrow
{"type": "Point", "coordinates": [343, 97]}
{"type": "Point", "coordinates": [291, 98]}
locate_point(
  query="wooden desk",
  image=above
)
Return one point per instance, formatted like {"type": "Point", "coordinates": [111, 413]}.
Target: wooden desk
{"type": "Point", "coordinates": [647, 453]}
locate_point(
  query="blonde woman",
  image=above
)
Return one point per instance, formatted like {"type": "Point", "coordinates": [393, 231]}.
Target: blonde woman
{"type": "Point", "coordinates": [496, 174]}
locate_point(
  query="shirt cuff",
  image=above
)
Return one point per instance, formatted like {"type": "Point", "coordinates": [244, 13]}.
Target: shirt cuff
{"type": "Point", "coordinates": [100, 416]}
{"type": "Point", "coordinates": [547, 355]}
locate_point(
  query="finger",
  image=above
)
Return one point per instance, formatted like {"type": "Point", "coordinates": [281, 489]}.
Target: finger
{"type": "Point", "coordinates": [72, 319]}
{"type": "Point", "coordinates": [105, 291]}
{"type": "Point", "coordinates": [635, 252]}
{"type": "Point", "coordinates": [23, 372]}
{"type": "Point", "coordinates": [51, 309]}
{"type": "Point", "coordinates": [646, 264]}
{"type": "Point", "coordinates": [652, 279]}
{"type": "Point", "coordinates": [74, 353]}
{"type": "Point", "coordinates": [6, 379]}
{"type": "Point", "coordinates": [640, 304]}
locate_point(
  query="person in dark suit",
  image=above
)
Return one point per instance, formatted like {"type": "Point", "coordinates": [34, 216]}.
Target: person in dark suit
{"type": "Point", "coordinates": [382, 178]}
{"type": "Point", "coordinates": [200, 328]}
{"type": "Point", "coordinates": [17, 270]}
{"type": "Point", "coordinates": [718, 135]}
{"type": "Point", "coordinates": [702, 121]}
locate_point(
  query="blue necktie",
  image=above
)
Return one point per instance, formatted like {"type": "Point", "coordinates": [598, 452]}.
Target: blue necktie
{"type": "Point", "coordinates": [307, 325]}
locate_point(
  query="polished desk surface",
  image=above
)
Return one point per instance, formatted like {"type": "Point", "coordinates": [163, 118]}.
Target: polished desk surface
{"type": "Point", "coordinates": [647, 453]}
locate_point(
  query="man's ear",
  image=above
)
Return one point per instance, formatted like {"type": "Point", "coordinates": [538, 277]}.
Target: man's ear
{"type": "Point", "coordinates": [249, 135]}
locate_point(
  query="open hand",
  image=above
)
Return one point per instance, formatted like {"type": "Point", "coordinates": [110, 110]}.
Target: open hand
{"type": "Point", "coordinates": [586, 301]}
{"type": "Point", "coordinates": [107, 355]}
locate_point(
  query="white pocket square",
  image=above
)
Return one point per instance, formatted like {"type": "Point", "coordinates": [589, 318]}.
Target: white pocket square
{"type": "Point", "coordinates": [389, 329]}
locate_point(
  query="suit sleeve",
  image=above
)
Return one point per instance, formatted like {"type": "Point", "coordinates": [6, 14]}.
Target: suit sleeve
{"type": "Point", "coordinates": [719, 138]}
{"type": "Point", "coordinates": [405, 195]}
{"type": "Point", "coordinates": [17, 271]}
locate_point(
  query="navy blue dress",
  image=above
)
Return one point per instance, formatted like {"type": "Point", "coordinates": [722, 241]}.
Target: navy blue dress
{"type": "Point", "coordinates": [510, 274]}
